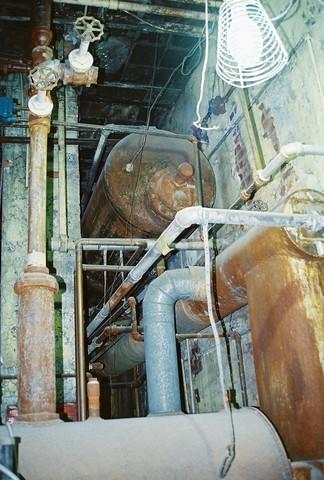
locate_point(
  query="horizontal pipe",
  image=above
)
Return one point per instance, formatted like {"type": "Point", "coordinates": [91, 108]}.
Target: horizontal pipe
{"type": "Point", "coordinates": [107, 268]}
{"type": "Point", "coordinates": [9, 139]}
{"type": "Point", "coordinates": [195, 216]}
{"type": "Point", "coordinates": [138, 8]}
{"type": "Point", "coordinates": [182, 447]}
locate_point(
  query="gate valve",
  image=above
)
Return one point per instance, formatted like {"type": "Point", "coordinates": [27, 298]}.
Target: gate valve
{"type": "Point", "coordinates": [89, 30]}
{"type": "Point", "coordinates": [42, 78]}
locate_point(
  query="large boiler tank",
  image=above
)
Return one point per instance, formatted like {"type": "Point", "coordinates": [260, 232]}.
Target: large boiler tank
{"type": "Point", "coordinates": [140, 189]}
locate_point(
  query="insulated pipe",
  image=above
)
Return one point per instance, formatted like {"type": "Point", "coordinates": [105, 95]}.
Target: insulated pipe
{"type": "Point", "coordinates": [159, 331]}
{"type": "Point", "coordinates": [283, 286]}
{"type": "Point", "coordinates": [182, 447]}
{"type": "Point", "coordinates": [125, 354]}
{"type": "Point", "coordinates": [198, 216]}
{"type": "Point", "coordinates": [138, 8]}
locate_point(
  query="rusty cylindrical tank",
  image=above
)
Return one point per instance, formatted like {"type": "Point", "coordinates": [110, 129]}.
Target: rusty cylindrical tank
{"type": "Point", "coordinates": [138, 194]}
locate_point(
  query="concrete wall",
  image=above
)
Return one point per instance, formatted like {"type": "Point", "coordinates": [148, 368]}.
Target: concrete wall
{"type": "Point", "coordinates": [13, 242]}
{"type": "Point", "coordinates": [257, 122]}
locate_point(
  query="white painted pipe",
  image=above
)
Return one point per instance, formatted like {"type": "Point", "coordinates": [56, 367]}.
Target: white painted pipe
{"type": "Point", "coordinates": [199, 216]}
{"type": "Point", "coordinates": [287, 152]}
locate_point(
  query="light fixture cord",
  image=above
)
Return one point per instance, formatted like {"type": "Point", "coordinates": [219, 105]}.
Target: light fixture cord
{"type": "Point", "coordinates": [231, 448]}
{"type": "Point", "coordinates": [197, 123]}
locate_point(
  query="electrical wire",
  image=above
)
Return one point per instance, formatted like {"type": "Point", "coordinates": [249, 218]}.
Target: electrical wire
{"type": "Point", "coordinates": [7, 472]}
{"type": "Point", "coordinates": [230, 449]}
{"type": "Point", "coordinates": [197, 123]}
{"type": "Point", "coordinates": [145, 22]}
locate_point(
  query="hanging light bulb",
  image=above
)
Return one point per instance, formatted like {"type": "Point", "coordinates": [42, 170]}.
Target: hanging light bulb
{"type": "Point", "coordinates": [249, 49]}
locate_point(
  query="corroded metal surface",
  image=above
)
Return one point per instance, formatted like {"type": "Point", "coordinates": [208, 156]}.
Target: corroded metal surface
{"type": "Point", "coordinates": [36, 400]}
{"type": "Point", "coordinates": [70, 76]}
{"type": "Point", "coordinates": [39, 129]}
{"type": "Point", "coordinates": [284, 288]}
{"type": "Point", "coordinates": [144, 198]}
{"type": "Point", "coordinates": [41, 22]}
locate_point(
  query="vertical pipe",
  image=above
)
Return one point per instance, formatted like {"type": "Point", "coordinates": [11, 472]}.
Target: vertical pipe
{"type": "Point", "coordinates": [199, 185]}
{"type": "Point", "coordinates": [80, 353]}
{"type": "Point", "coordinates": [136, 393]}
{"type": "Point", "coordinates": [39, 129]}
{"type": "Point", "coordinates": [61, 168]}
{"type": "Point", "coordinates": [184, 386]}
{"type": "Point", "coordinates": [159, 330]}
{"type": "Point", "coordinates": [192, 396]}
{"type": "Point", "coordinates": [240, 361]}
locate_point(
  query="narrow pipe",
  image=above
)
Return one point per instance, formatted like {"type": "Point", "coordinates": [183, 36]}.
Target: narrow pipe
{"type": "Point", "coordinates": [192, 396]}
{"type": "Point", "coordinates": [107, 268]}
{"type": "Point", "coordinates": [287, 153]}
{"type": "Point", "coordinates": [195, 216]}
{"type": "Point", "coordinates": [185, 390]}
{"type": "Point", "coordinates": [80, 353]}
{"type": "Point", "coordinates": [94, 167]}
{"type": "Point", "coordinates": [139, 8]}
{"type": "Point", "coordinates": [199, 185]}
{"type": "Point", "coordinates": [62, 173]}
{"type": "Point", "coordinates": [240, 362]}
{"type": "Point", "coordinates": [159, 332]}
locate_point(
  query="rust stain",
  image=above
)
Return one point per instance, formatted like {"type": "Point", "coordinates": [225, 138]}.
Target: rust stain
{"type": "Point", "coordinates": [284, 291]}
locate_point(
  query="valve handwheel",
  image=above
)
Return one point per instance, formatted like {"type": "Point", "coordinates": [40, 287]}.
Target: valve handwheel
{"type": "Point", "coordinates": [44, 76]}
{"type": "Point", "coordinates": [89, 28]}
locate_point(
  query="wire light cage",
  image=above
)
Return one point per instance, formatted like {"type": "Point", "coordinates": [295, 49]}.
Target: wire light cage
{"type": "Point", "coordinates": [249, 49]}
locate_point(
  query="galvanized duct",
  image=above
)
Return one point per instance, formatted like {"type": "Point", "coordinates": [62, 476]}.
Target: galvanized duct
{"type": "Point", "coordinates": [181, 447]}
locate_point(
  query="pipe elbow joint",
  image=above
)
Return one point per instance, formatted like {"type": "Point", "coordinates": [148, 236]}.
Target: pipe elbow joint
{"type": "Point", "coordinates": [292, 150]}
{"type": "Point", "coordinates": [189, 216]}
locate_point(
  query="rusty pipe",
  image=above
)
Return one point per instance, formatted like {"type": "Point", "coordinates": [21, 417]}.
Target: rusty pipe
{"type": "Point", "coordinates": [135, 330]}
{"type": "Point", "coordinates": [139, 8]}
{"type": "Point", "coordinates": [39, 129]}
{"type": "Point", "coordinates": [41, 22]}
{"type": "Point", "coordinates": [283, 286]}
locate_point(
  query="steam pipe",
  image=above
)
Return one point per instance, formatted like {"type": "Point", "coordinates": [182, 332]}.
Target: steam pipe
{"type": "Point", "coordinates": [139, 8]}
{"type": "Point", "coordinates": [197, 216]}
{"type": "Point", "coordinates": [182, 447]}
{"type": "Point", "coordinates": [159, 330]}
{"type": "Point", "coordinates": [287, 153]}
{"type": "Point", "coordinates": [36, 288]}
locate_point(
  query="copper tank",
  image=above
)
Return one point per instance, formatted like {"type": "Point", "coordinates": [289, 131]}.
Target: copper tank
{"type": "Point", "coordinates": [140, 189]}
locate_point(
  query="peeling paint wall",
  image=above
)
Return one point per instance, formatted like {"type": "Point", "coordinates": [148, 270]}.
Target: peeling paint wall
{"type": "Point", "coordinates": [256, 124]}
